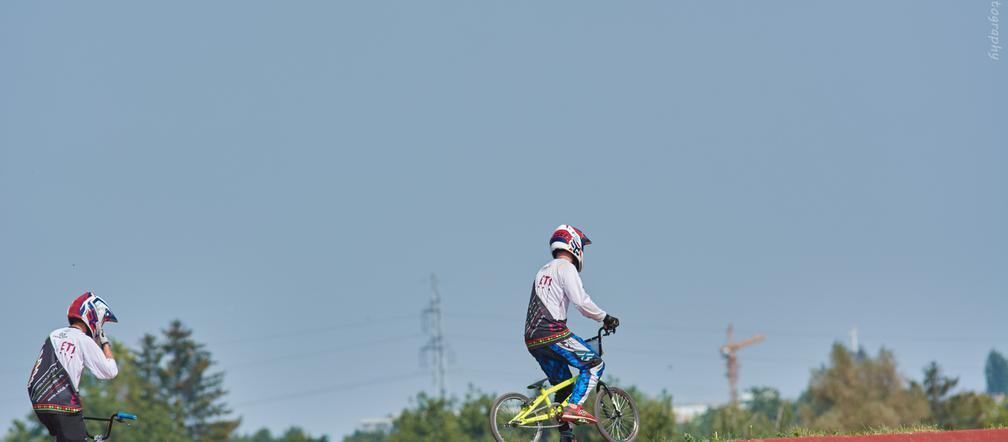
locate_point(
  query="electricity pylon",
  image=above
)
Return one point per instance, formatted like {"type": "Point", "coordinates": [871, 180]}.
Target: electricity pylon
{"type": "Point", "coordinates": [434, 350]}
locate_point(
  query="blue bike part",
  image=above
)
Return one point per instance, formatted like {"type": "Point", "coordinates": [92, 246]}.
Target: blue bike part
{"type": "Point", "coordinates": [120, 415]}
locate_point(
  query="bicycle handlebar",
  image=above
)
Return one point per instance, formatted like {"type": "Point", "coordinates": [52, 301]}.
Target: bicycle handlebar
{"type": "Point", "coordinates": [118, 417]}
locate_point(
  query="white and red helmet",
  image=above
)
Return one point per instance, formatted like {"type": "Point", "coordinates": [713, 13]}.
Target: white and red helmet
{"type": "Point", "coordinates": [92, 311]}
{"type": "Point", "coordinates": [568, 238]}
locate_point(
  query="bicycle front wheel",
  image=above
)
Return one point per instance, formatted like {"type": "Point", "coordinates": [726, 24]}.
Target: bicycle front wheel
{"type": "Point", "coordinates": [618, 418]}
{"type": "Point", "coordinates": [506, 408]}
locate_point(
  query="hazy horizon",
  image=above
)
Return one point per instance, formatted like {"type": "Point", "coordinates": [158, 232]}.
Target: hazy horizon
{"type": "Point", "coordinates": [284, 179]}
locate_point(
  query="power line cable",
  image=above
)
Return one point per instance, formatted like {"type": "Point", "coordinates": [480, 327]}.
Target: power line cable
{"type": "Point", "coordinates": [329, 389]}
{"type": "Point", "coordinates": [531, 376]}
{"type": "Point", "coordinates": [674, 355]}
{"type": "Point", "coordinates": [314, 391]}
{"type": "Point", "coordinates": [813, 334]}
{"type": "Point", "coordinates": [294, 333]}
{"type": "Point", "coordinates": [255, 363]}
{"type": "Point", "coordinates": [302, 332]}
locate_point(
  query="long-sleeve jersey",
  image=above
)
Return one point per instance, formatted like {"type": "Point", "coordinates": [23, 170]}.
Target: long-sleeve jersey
{"type": "Point", "coordinates": [556, 286]}
{"type": "Point", "coordinates": [53, 383]}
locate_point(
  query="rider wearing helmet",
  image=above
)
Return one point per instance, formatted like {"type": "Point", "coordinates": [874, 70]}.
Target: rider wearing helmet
{"type": "Point", "coordinates": [551, 343]}
{"type": "Point", "coordinates": [52, 386]}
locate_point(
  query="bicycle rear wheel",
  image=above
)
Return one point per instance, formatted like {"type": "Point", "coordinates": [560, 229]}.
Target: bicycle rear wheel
{"type": "Point", "coordinates": [505, 408]}
{"type": "Point", "coordinates": [618, 418]}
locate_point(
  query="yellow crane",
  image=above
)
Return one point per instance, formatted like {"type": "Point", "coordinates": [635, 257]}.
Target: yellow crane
{"type": "Point", "coordinates": [731, 358]}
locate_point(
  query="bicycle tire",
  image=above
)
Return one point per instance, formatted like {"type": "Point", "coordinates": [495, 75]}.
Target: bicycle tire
{"type": "Point", "coordinates": [534, 433]}
{"type": "Point", "coordinates": [617, 413]}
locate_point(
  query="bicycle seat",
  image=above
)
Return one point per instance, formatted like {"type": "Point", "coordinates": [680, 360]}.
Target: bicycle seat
{"type": "Point", "coordinates": [537, 384]}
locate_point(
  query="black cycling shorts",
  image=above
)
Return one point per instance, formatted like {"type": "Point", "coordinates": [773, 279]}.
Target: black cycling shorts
{"type": "Point", "coordinates": [65, 427]}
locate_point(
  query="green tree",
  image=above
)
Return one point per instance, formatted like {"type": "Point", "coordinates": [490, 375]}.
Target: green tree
{"type": "Point", "coordinates": [656, 414]}
{"type": "Point", "coordinates": [432, 420]}
{"type": "Point", "coordinates": [166, 383]}
{"type": "Point", "coordinates": [473, 415]}
{"type": "Point", "coordinates": [764, 400]}
{"type": "Point", "coordinates": [293, 434]}
{"type": "Point", "coordinates": [28, 430]}
{"type": "Point", "coordinates": [973, 410]}
{"type": "Point", "coordinates": [997, 373]}
{"type": "Point", "coordinates": [768, 407]}
{"type": "Point", "coordinates": [366, 436]}
{"type": "Point", "coordinates": [854, 393]}
{"type": "Point", "coordinates": [179, 369]}
{"type": "Point", "coordinates": [127, 393]}
{"type": "Point", "coordinates": [936, 388]}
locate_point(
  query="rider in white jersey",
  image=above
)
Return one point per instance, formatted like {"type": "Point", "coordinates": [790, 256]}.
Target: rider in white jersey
{"type": "Point", "coordinates": [551, 343]}
{"type": "Point", "coordinates": [55, 377]}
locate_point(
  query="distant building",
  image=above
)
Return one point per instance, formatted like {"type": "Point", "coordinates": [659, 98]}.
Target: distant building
{"type": "Point", "coordinates": [686, 413]}
{"type": "Point", "coordinates": [379, 425]}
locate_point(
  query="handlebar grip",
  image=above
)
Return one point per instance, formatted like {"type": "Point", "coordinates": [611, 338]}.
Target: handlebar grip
{"type": "Point", "coordinates": [121, 416]}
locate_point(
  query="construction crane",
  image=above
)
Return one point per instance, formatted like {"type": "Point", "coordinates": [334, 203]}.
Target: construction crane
{"type": "Point", "coordinates": [729, 352]}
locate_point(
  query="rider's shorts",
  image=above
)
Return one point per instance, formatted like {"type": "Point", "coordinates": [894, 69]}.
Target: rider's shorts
{"type": "Point", "coordinates": [66, 427]}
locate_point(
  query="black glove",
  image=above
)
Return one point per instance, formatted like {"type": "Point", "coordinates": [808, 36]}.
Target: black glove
{"type": "Point", "coordinates": [610, 322]}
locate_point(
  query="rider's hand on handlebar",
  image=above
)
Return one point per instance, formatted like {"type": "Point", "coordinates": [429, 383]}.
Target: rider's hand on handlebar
{"type": "Point", "coordinates": [610, 323]}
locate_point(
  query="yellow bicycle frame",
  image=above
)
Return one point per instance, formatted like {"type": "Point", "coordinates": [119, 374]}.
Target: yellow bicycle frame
{"type": "Point", "coordinates": [544, 394]}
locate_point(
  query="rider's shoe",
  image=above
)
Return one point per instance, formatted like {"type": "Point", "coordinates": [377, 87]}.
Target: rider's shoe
{"type": "Point", "coordinates": [577, 414]}
{"type": "Point", "coordinates": [567, 436]}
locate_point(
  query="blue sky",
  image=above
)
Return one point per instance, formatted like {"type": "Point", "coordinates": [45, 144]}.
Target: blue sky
{"type": "Point", "coordinates": [285, 177]}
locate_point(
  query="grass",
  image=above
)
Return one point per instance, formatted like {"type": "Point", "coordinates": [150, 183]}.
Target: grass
{"type": "Point", "coordinates": [805, 432]}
